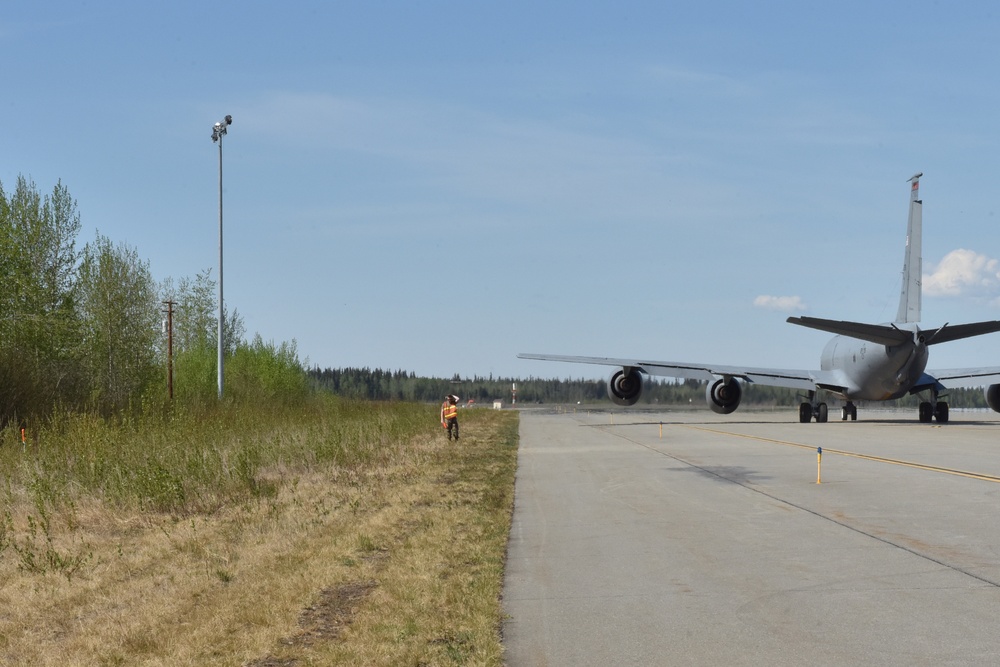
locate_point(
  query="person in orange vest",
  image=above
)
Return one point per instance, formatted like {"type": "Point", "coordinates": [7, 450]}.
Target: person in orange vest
{"type": "Point", "coordinates": [444, 406]}
{"type": "Point", "coordinates": [449, 414]}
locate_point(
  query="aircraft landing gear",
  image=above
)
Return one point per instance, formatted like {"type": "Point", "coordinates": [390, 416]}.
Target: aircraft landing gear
{"type": "Point", "coordinates": [930, 411]}
{"type": "Point", "coordinates": [849, 411]}
{"type": "Point", "coordinates": [933, 409]}
{"type": "Point", "coordinates": [807, 410]}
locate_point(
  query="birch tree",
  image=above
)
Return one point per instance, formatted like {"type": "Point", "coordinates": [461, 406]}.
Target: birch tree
{"type": "Point", "coordinates": [120, 324]}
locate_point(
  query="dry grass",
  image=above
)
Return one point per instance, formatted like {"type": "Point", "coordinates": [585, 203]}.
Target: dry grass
{"type": "Point", "coordinates": [394, 562]}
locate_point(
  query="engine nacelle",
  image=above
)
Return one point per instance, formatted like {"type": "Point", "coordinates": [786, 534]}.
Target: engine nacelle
{"type": "Point", "coordinates": [724, 396]}
{"type": "Point", "coordinates": [993, 397]}
{"type": "Point", "coordinates": [625, 386]}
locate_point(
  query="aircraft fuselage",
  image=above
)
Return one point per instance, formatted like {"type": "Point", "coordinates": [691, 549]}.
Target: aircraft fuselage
{"type": "Point", "coordinates": [872, 371]}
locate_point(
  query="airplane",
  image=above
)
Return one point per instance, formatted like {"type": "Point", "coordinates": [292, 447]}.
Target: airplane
{"type": "Point", "coordinates": [863, 362]}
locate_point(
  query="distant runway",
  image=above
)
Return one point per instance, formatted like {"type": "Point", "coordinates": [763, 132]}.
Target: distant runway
{"type": "Point", "coordinates": [713, 544]}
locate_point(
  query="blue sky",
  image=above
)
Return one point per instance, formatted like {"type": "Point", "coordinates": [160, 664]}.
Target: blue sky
{"type": "Point", "coordinates": [437, 186]}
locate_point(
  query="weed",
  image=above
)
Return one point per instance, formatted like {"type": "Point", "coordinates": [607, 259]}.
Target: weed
{"type": "Point", "coordinates": [6, 530]}
{"type": "Point", "coordinates": [366, 544]}
{"type": "Point", "coordinates": [38, 553]}
{"type": "Point", "coordinates": [159, 488]}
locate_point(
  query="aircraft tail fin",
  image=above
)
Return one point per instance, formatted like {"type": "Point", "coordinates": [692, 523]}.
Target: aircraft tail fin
{"type": "Point", "coordinates": [909, 295]}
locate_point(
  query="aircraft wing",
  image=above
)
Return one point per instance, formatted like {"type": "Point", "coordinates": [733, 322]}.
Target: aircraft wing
{"type": "Point", "coordinates": [955, 378]}
{"type": "Point", "coordinates": [770, 377]}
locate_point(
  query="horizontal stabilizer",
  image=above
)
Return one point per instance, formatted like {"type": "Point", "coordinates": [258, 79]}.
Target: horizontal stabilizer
{"type": "Point", "coordinates": [875, 333]}
{"type": "Point", "coordinates": [890, 335]}
{"type": "Point", "coordinates": [959, 331]}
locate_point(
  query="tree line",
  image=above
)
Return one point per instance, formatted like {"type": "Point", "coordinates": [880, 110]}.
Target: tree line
{"type": "Point", "coordinates": [400, 385]}
{"type": "Point", "coordinates": [80, 327]}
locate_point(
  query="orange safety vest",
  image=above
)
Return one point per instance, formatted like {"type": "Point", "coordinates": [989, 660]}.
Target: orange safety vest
{"type": "Point", "coordinates": [451, 411]}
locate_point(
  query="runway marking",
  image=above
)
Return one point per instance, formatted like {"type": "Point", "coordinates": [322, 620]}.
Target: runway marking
{"type": "Point", "coordinates": [869, 457]}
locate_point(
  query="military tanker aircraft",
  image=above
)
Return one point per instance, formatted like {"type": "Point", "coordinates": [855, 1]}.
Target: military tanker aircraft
{"type": "Point", "coordinates": [863, 362]}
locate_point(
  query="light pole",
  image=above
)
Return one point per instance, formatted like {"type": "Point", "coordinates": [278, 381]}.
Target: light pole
{"type": "Point", "coordinates": [219, 131]}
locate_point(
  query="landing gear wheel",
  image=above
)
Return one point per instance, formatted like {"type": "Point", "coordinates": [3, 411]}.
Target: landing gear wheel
{"type": "Point", "coordinates": [822, 413]}
{"type": "Point", "coordinates": [925, 412]}
{"type": "Point", "coordinates": [941, 412]}
{"type": "Point", "coordinates": [805, 413]}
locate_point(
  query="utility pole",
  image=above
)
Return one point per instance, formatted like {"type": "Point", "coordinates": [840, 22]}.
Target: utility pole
{"type": "Point", "coordinates": [170, 348]}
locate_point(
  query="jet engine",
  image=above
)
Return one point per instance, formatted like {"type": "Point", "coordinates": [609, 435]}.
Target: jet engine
{"type": "Point", "coordinates": [993, 396]}
{"type": "Point", "coordinates": [723, 395]}
{"type": "Point", "coordinates": [625, 386]}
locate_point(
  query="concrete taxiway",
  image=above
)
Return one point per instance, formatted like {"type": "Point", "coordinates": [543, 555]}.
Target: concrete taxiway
{"type": "Point", "coordinates": [708, 541]}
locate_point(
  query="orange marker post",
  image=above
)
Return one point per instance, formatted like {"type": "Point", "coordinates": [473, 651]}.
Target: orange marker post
{"type": "Point", "coordinates": [24, 439]}
{"type": "Point", "coordinates": [819, 463]}
{"type": "Point", "coordinates": [661, 430]}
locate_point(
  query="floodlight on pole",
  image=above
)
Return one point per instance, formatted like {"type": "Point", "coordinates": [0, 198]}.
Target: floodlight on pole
{"type": "Point", "coordinates": [219, 130]}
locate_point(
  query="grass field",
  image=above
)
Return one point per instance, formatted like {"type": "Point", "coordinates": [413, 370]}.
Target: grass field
{"type": "Point", "coordinates": [340, 533]}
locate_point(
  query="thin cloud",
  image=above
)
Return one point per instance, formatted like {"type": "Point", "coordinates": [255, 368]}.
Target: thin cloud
{"type": "Point", "coordinates": [785, 304]}
{"type": "Point", "coordinates": [964, 273]}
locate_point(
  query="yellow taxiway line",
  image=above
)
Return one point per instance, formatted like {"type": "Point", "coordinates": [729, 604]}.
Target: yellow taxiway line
{"type": "Point", "coordinates": [880, 459]}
